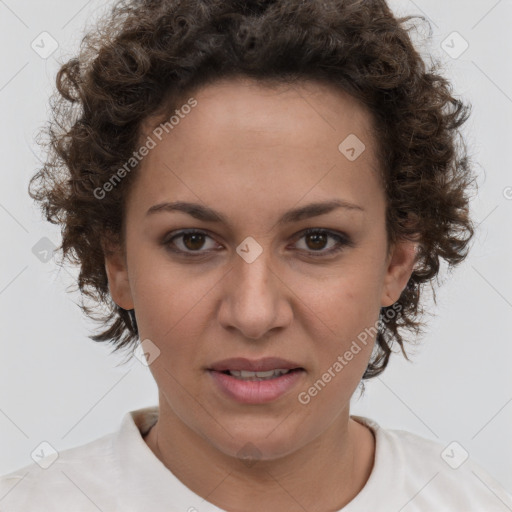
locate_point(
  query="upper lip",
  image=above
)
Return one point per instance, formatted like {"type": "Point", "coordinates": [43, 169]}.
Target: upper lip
{"type": "Point", "coordinates": [256, 365]}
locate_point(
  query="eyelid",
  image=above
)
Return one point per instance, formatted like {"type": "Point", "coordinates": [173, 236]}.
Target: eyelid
{"type": "Point", "coordinates": [343, 241]}
{"type": "Point", "coordinates": [168, 240]}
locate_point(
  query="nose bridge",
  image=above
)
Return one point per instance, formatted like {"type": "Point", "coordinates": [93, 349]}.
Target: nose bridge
{"type": "Point", "coordinates": [254, 277]}
{"type": "Point", "coordinates": [255, 260]}
{"type": "Point", "coordinates": [251, 300]}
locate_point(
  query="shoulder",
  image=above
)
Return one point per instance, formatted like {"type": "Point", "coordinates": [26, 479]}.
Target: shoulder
{"type": "Point", "coordinates": [430, 475]}
{"type": "Point", "coordinates": [67, 478]}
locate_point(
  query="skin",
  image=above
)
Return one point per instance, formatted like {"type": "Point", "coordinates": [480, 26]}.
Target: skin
{"type": "Point", "coordinates": [252, 152]}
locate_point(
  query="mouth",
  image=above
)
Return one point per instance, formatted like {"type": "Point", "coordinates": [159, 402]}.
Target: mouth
{"type": "Point", "coordinates": [259, 376]}
{"type": "Point", "coordinates": [255, 381]}
{"type": "Point", "coordinates": [256, 366]}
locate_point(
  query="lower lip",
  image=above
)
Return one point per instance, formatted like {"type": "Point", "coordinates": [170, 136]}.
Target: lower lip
{"type": "Point", "coordinates": [256, 392]}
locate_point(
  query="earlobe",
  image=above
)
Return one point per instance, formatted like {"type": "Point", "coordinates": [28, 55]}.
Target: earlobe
{"type": "Point", "coordinates": [399, 270]}
{"type": "Point", "coordinates": [117, 274]}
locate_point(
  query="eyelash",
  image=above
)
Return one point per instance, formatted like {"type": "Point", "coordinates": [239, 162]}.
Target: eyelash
{"type": "Point", "coordinates": [343, 241]}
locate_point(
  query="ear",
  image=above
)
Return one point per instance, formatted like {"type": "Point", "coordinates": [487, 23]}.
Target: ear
{"type": "Point", "coordinates": [400, 265]}
{"type": "Point", "coordinates": [117, 274]}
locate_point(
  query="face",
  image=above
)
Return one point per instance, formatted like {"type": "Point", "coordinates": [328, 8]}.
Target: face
{"type": "Point", "coordinates": [251, 282]}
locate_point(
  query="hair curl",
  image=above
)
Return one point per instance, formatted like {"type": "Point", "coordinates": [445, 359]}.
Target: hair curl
{"type": "Point", "coordinates": [146, 54]}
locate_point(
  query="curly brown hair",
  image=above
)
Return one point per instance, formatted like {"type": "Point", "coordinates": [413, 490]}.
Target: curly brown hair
{"type": "Point", "coordinates": [147, 54]}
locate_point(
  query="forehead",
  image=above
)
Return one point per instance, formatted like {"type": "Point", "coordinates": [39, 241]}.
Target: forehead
{"type": "Point", "coordinates": [247, 105]}
{"type": "Point", "coordinates": [246, 139]}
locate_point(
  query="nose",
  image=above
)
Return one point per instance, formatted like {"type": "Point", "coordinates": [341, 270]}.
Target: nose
{"type": "Point", "coordinates": [255, 300]}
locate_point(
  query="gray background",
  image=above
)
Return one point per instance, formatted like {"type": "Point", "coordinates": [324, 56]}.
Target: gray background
{"type": "Point", "coordinates": [56, 385]}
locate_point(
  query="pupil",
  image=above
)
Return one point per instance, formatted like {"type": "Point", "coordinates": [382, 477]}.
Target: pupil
{"type": "Point", "coordinates": [194, 237]}
{"type": "Point", "coordinates": [317, 238]}
{"type": "Point", "coordinates": [197, 240]}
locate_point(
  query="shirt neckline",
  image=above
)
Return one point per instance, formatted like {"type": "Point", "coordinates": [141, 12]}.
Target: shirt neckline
{"type": "Point", "coordinates": [144, 482]}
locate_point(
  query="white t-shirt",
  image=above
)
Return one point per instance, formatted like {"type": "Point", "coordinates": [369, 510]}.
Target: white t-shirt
{"type": "Point", "coordinates": [119, 472]}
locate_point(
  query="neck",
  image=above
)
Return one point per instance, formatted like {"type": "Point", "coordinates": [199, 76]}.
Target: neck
{"type": "Point", "coordinates": [338, 462]}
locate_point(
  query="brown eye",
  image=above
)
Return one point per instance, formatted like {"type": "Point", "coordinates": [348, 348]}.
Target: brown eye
{"type": "Point", "coordinates": [316, 241]}
{"type": "Point", "coordinates": [190, 243]}
{"type": "Point", "coordinates": [193, 241]}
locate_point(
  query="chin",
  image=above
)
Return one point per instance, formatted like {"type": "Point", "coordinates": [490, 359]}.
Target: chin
{"type": "Point", "coordinates": [256, 444]}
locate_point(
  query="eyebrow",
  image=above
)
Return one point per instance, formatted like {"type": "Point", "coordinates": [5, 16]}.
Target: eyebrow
{"type": "Point", "coordinates": [207, 214]}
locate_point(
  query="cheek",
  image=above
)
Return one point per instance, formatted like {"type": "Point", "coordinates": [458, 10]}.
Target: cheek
{"type": "Point", "coordinates": [343, 330]}
{"type": "Point", "coordinates": [340, 313]}
{"type": "Point", "coordinates": [168, 296]}
{"type": "Point", "coordinates": [343, 302]}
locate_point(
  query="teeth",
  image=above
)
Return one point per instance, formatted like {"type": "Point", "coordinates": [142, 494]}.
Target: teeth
{"type": "Point", "coordinates": [246, 375]}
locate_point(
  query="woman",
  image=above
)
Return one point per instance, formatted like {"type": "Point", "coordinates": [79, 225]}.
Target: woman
{"type": "Point", "coordinates": [259, 191]}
